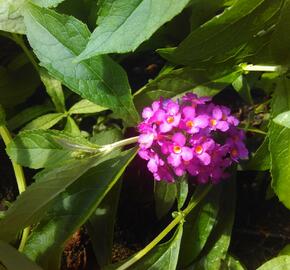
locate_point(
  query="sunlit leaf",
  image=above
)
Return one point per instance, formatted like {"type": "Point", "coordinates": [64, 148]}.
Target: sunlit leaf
{"type": "Point", "coordinates": [57, 39]}
{"type": "Point", "coordinates": [128, 23]}
{"type": "Point", "coordinates": [279, 143]}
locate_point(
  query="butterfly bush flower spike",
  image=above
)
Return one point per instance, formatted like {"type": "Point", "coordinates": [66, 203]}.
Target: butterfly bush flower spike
{"type": "Point", "coordinates": [191, 135]}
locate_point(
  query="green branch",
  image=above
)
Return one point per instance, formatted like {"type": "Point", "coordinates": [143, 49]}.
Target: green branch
{"type": "Point", "coordinates": [20, 179]}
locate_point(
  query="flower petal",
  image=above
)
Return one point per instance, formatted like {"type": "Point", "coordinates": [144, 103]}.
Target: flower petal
{"type": "Point", "coordinates": [179, 139]}
{"type": "Point", "coordinates": [186, 153]}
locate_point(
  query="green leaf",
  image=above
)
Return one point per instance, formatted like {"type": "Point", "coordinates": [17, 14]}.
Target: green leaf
{"type": "Point", "coordinates": [2, 116]}
{"type": "Point", "coordinates": [260, 161]}
{"type": "Point", "coordinates": [280, 43]}
{"type": "Point", "coordinates": [85, 106]}
{"type": "Point", "coordinates": [203, 11]}
{"type": "Point", "coordinates": [198, 226]}
{"type": "Point", "coordinates": [47, 3]}
{"type": "Point", "coordinates": [33, 203]}
{"type": "Point", "coordinates": [279, 143]}
{"type": "Point", "coordinates": [45, 121]}
{"type": "Point", "coordinates": [128, 23]}
{"type": "Point", "coordinates": [226, 34]}
{"type": "Point", "coordinates": [11, 18]}
{"type": "Point", "coordinates": [182, 191]}
{"type": "Point", "coordinates": [183, 80]}
{"type": "Point", "coordinates": [57, 40]}
{"type": "Point", "coordinates": [101, 226]}
{"type": "Point", "coordinates": [231, 263]}
{"type": "Point", "coordinates": [101, 223]}
{"type": "Point", "coordinates": [54, 89]}
{"type": "Point", "coordinates": [164, 256]}
{"type": "Point", "coordinates": [48, 148]}
{"type": "Point", "coordinates": [217, 246]}
{"type": "Point", "coordinates": [72, 208]}
{"type": "Point", "coordinates": [71, 127]}
{"type": "Point", "coordinates": [285, 250]}
{"type": "Point", "coordinates": [165, 196]}
{"type": "Point", "coordinates": [28, 114]}
{"type": "Point", "coordinates": [14, 260]}
{"type": "Point", "coordinates": [278, 263]}
{"type": "Point", "coordinates": [283, 119]}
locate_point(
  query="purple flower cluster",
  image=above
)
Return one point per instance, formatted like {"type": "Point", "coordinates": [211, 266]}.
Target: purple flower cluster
{"type": "Point", "coordinates": [190, 135]}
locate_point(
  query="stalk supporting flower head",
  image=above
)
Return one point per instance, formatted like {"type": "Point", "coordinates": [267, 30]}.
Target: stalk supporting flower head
{"type": "Point", "coordinates": [190, 135]}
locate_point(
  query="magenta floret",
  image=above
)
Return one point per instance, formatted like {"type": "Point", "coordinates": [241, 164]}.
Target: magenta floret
{"type": "Point", "coordinates": [190, 135]}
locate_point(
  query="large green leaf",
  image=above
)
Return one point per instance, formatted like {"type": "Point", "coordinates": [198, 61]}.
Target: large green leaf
{"type": "Point", "coordinates": [11, 19]}
{"type": "Point", "coordinates": [226, 34]}
{"type": "Point", "coordinates": [283, 119]}
{"type": "Point", "coordinates": [218, 243]}
{"type": "Point", "coordinates": [165, 196]}
{"type": "Point", "coordinates": [47, 3]}
{"type": "Point", "coordinates": [101, 226]}
{"type": "Point", "coordinates": [280, 42]}
{"type": "Point", "coordinates": [279, 143]}
{"type": "Point", "coordinates": [57, 40]}
{"type": "Point", "coordinates": [45, 121]}
{"type": "Point", "coordinates": [32, 204]}
{"type": "Point", "coordinates": [101, 223]}
{"type": "Point", "coordinates": [179, 81]}
{"type": "Point", "coordinates": [278, 263]}
{"type": "Point", "coordinates": [128, 23]}
{"type": "Point", "coordinates": [203, 11]}
{"type": "Point", "coordinates": [14, 260]}
{"type": "Point", "coordinates": [48, 148]}
{"type": "Point", "coordinates": [198, 226]}
{"type": "Point", "coordinates": [72, 208]}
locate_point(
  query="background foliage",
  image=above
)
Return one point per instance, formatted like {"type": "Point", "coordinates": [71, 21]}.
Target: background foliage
{"type": "Point", "coordinates": [68, 102]}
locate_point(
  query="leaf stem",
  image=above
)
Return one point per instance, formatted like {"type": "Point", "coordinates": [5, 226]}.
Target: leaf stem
{"type": "Point", "coordinates": [197, 197]}
{"type": "Point", "coordinates": [20, 179]}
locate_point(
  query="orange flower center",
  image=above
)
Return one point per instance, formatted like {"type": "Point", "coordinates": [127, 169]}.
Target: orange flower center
{"type": "Point", "coordinates": [176, 149]}
{"type": "Point", "coordinates": [190, 124]}
{"type": "Point", "coordinates": [234, 152]}
{"type": "Point", "coordinates": [170, 119]}
{"type": "Point", "coordinates": [224, 117]}
{"type": "Point", "coordinates": [198, 149]}
{"type": "Point", "coordinates": [213, 122]}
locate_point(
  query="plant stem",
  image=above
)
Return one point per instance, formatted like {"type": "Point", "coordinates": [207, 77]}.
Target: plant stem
{"type": "Point", "coordinates": [20, 179]}
{"type": "Point", "coordinates": [109, 147]}
{"type": "Point", "coordinates": [254, 130]}
{"type": "Point", "coordinates": [19, 40]}
{"type": "Point", "coordinates": [178, 219]}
